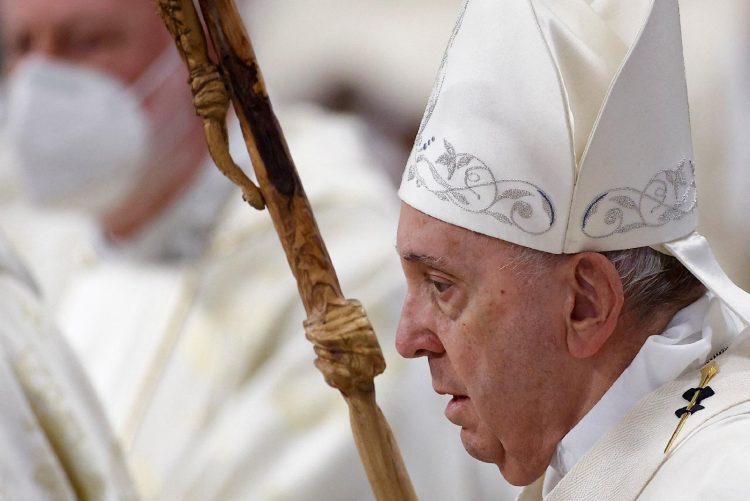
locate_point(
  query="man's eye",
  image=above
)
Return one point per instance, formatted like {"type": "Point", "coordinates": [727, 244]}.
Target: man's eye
{"type": "Point", "coordinates": [439, 285]}
{"type": "Point", "coordinates": [86, 43]}
{"type": "Point", "coordinates": [18, 46]}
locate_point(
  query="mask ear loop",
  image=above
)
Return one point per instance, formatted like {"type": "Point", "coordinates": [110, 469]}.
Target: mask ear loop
{"type": "Point", "coordinates": [156, 73]}
{"type": "Point", "coordinates": [167, 127]}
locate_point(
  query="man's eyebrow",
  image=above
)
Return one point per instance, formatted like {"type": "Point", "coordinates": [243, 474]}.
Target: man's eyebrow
{"type": "Point", "coordinates": [435, 262]}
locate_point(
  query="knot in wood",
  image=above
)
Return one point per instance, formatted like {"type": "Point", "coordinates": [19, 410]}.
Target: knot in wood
{"type": "Point", "coordinates": [349, 354]}
{"type": "Point", "coordinates": [210, 96]}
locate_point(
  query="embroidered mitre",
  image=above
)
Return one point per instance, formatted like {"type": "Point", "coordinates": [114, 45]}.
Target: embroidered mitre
{"type": "Point", "coordinates": [559, 125]}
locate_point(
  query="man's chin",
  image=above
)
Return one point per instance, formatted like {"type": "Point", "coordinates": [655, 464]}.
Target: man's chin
{"type": "Point", "coordinates": [521, 474]}
{"type": "Point", "coordinates": [479, 447]}
{"type": "Point", "coordinates": [516, 473]}
{"type": "Point", "coordinates": [521, 480]}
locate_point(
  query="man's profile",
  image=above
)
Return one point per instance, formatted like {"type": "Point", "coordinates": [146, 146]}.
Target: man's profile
{"type": "Point", "coordinates": [556, 285]}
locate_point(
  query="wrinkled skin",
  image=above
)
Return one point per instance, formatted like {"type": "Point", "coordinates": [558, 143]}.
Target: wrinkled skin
{"type": "Point", "coordinates": [495, 340]}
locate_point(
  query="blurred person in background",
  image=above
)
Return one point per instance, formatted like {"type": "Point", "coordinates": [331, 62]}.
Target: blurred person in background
{"type": "Point", "coordinates": [54, 437]}
{"type": "Point", "coordinates": [180, 303]}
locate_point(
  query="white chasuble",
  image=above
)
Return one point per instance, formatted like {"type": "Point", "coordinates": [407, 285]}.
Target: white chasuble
{"type": "Point", "coordinates": [711, 455]}
{"type": "Point", "coordinates": [55, 443]}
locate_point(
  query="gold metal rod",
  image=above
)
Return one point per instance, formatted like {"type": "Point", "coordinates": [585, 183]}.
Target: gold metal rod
{"type": "Point", "coordinates": [708, 371]}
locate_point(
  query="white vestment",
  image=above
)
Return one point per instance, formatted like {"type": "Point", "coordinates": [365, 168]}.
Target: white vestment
{"type": "Point", "coordinates": [608, 457]}
{"type": "Point", "coordinates": [9, 189]}
{"type": "Point", "coordinates": [55, 442]}
{"type": "Point", "coordinates": [202, 363]}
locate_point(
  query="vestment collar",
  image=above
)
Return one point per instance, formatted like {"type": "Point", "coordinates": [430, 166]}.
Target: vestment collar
{"type": "Point", "coordinates": [693, 334]}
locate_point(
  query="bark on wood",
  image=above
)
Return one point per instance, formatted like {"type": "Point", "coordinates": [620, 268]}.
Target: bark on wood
{"type": "Point", "coordinates": [348, 352]}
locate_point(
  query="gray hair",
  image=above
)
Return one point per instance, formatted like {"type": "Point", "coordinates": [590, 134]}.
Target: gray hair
{"type": "Point", "coordinates": [651, 281]}
{"type": "Point", "coordinates": [654, 281]}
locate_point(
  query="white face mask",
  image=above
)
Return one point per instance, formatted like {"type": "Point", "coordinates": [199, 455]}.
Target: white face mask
{"type": "Point", "coordinates": [80, 137]}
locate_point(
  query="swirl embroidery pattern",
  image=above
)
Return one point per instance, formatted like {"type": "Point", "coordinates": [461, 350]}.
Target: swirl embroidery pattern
{"type": "Point", "coordinates": [512, 202]}
{"type": "Point", "coordinates": [669, 196]}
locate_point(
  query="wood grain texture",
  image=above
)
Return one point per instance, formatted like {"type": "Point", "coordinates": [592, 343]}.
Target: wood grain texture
{"type": "Point", "coordinates": [272, 162]}
{"type": "Point", "coordinates": [349, 355]}
{"type": "Point", "coordinates": [210, 96]}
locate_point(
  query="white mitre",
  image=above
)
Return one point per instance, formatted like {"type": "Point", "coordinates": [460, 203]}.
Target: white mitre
{"type": "Point", "coordinates": [563, 126]}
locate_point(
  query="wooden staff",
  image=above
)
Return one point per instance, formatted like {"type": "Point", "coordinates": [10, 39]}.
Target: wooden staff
{"type": "Point", "coordinates": [348, 353]}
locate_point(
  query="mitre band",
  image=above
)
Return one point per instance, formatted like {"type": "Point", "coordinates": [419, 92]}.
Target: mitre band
{"type": "Point", "coordinates": [563, 126]}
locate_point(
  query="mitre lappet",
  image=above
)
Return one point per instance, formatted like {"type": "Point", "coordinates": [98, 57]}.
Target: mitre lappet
{"type": "Point", "coordinates": [563, 126]}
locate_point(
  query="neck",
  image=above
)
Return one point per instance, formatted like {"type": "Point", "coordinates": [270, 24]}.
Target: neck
{"type": "Point", "coordinates": [601, 371]}
{"type": "Point", "coordinates": [169, 176]}
{"type": "Point", "coordinates": [581, 383]}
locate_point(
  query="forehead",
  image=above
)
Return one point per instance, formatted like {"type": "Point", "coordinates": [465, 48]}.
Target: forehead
{"type": "Point", "coordinates": [424, 238]}
{"type": "Point", "coordinates": [116, 36]}
{"type": "Point", "coordinates": [60, 11]}
{"type": "Point", "coordinates": [137, 18]}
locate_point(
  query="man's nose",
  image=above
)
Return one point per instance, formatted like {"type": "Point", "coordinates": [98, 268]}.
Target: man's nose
{"type": "Point", "coordinates": [415, 336]}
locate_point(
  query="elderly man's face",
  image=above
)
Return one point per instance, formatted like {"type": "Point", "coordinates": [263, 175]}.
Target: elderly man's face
{"type": "Point", "coordinates": [492, 337]}
{"type": "Point", "coordinates": [114, 36]}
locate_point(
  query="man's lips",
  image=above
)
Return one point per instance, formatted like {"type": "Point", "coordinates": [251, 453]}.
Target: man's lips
{"type": "Point", "coordinates": [444, 391]}
{"type": "Point", "coordinates": [456, 405]}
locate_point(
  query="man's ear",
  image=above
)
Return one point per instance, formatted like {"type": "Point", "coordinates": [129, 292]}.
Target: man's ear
{"type": "Point", "coordinates": [597, 302]}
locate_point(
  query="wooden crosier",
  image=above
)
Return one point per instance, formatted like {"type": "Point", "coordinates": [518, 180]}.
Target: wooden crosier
{"type": "Point", "coordinates": [348, 352]}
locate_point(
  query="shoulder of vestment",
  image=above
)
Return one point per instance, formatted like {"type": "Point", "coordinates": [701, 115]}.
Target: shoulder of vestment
{"type": "Point", "coordinates": [631, 456]}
